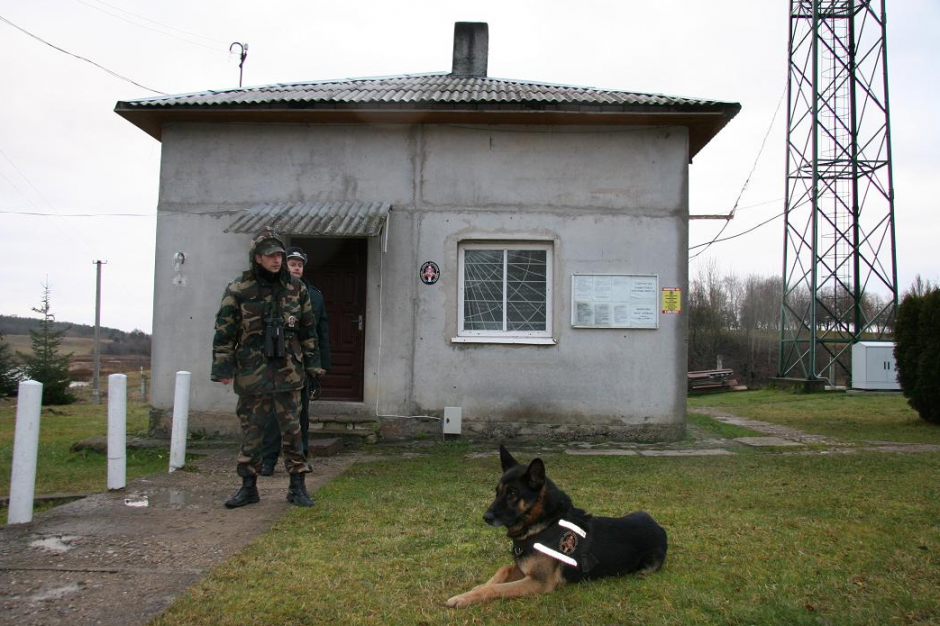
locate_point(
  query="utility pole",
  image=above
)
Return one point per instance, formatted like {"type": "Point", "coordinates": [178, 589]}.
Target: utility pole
{"type": "Point", "coordinates": [95, 389]}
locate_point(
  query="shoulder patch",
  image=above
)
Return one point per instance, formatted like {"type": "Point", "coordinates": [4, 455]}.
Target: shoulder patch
{"type": "Point", "coordinates": [568, 543]}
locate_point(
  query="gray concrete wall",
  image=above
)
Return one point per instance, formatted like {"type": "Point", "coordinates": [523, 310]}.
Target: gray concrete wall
{"type": "Point", "coordinates": [609, 200]}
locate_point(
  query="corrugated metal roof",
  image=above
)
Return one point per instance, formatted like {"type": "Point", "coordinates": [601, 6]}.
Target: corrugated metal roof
{"type": "Point", "coordinates": [410, 91]}
{"type": "Point", "coordinates": [340, 219]}
{"type": "Point", "coordinates": [432, 99]}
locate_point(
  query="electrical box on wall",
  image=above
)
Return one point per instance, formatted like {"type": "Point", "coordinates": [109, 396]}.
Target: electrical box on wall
{"type": "Point", "coordinates": [873, 366]}
{"type": "Point", "coordinates": [453, 418]}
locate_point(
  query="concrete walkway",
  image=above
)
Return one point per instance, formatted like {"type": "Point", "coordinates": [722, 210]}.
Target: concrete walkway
{"type": "Point", "coordinates": [783, 436]}
{"type": "Point", "coordinates": [782, 439]}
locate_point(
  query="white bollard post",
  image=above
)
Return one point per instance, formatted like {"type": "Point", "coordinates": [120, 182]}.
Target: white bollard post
{"type": "Point", "coordinates": [117, 431]}
{"type": "Point", "coordinates": [25, 451]}
{"type": "Point", "coordinates": [180, 421]}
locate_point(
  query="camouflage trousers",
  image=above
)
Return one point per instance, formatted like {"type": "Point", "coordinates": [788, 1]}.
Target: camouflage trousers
{"type": "Point", "coordinates": [254, 412]}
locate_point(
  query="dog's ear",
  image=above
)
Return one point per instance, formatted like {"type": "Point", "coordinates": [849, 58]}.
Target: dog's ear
{"type": "Point", "coordinates": [535, 474]}
{"type": "Point", "coordinates": [506, 459]}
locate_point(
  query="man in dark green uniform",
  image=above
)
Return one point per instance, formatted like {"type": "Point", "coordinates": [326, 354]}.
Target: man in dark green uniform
{"type": "Point", "coordinates": [265, 342]}
{"type": "Point", "coordinates": [296, 260]}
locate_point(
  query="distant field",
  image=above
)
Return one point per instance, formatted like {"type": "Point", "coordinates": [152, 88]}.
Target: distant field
{"type": "Point", "coordinates": [82, 349]}
{"type": "Point", "coordinates": [79, 346]}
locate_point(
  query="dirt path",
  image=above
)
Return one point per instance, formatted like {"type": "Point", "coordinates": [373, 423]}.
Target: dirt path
{"type": "Point", "coordinates": [121, 558]}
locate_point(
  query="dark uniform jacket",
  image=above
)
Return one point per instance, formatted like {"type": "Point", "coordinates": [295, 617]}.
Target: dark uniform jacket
{"type": "Point", "coordinates": [321, 321]}
{"type": "Point", "coordinates": [251, 303]}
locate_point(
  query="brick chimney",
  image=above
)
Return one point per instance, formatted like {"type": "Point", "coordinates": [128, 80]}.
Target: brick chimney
{"type": "Point", "coordinates": [471, 48]}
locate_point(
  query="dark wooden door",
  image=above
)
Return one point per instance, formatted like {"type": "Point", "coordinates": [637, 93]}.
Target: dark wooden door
{"type": "Point", "coordinates": [338, 269]}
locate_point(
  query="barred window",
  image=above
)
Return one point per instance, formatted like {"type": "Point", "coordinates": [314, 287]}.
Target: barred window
{"type": "Point", "coordinates": [505, 290]}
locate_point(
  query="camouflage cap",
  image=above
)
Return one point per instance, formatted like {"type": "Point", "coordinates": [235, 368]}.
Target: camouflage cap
{"type": "Point", "coordinates": [269, 246]}
{"type": "Point", "coordinates": [267, 242]}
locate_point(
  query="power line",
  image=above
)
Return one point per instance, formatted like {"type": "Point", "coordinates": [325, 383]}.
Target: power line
{"type": "Point", "coordinates": [763, 203]}
{"type": "Point", "coordinates": [28, 181]}
{"type": "Point", "coordinates": [744, 232]}
{"type": "Point", "coordinates": [30, 200]}
{"type": "Point", "coordinates": [746, 181]}
{"type": "Point", "coordinates": [132, 22]}
{"type": "Point", "coordinates": [179, 30]}
{"type": "Point", "coordinates": [38, 214]}
{"type": "Point", "coordinates": [80, 58]}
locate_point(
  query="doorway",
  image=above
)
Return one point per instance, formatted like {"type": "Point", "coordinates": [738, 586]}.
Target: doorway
{"type": "Point", "coordinates": [337, 267]}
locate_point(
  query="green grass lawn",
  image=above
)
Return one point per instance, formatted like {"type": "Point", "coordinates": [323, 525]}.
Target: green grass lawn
{"type": "Point", "coordinates": [847, 416]}
{"type": "Point", "coordinates": [754, 539]}
{"type": "Point", "coordinates": [58, 470]}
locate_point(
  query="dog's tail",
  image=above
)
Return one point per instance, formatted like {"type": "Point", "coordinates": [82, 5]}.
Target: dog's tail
{"type": "Point", "coordinates": [652, 562]}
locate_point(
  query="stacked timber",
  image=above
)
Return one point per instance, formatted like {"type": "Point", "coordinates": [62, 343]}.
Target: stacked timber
{"type": "Point", "coordinates": [705, 381]}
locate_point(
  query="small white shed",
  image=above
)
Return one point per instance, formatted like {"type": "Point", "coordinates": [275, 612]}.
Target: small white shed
{"type": "Point", "coordinates": [873, 366]}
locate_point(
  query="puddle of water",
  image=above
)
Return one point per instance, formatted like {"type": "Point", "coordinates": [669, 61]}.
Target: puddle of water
{"type": "Point", "coordinates": [137, 501]}
{"type": "Point", "coordinates": [172, 497]}
{"type": "Point", "coordinates": [158, 498]}
{"type": "Point", "coordinates": [57, 544]}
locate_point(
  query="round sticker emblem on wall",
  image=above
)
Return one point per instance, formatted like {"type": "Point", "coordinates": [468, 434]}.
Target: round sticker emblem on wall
{"type": "Point", "coordinates": [430, 272]}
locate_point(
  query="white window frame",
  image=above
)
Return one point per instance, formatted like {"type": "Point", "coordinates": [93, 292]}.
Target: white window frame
{"type": "Point", "coordinates": [505, 336]}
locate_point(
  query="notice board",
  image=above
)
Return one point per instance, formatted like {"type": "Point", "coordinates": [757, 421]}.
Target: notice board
{"type": "Point", "coordinates": [614, 300]}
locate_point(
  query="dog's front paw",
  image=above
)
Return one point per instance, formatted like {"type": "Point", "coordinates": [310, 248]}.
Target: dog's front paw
{"type": "Point", "coordinates": [458, 601]}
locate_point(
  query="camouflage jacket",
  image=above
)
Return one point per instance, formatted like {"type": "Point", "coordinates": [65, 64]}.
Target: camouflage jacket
{"type": "Point", "coordinates": [248, 305]}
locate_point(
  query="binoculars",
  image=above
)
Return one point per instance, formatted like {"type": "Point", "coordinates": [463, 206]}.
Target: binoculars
{"type": "Point", "coordinates": [274, 338]}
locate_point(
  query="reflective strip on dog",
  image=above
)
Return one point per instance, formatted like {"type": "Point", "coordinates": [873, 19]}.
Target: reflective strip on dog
{"type": "Point", "coordinates": [555, 555]}
{"type": "Point", "coordinates": [571, 526]}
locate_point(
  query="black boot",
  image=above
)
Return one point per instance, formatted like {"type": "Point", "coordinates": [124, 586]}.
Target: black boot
{"type": "Point", "coordinates": [248, 494]}
{"type": "Point", "coordinates": [267, 467]}
{"type": "Point", "coordinates": [297, 492]}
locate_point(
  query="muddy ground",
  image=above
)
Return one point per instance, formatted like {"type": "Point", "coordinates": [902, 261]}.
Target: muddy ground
{"type": "Point", "coordinates": [122, 557]}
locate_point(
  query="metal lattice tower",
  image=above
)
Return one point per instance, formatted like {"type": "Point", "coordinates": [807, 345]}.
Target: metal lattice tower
{"type": "Point", "coordinates": [839, 243]}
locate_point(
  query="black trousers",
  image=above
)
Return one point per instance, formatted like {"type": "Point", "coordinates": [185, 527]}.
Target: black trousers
{"type": "Point", "coordinates": [272, 442]}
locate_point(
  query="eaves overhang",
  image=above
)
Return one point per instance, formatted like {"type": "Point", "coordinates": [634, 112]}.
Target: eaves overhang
{"type": "Point", "coordinates": [432, 99]}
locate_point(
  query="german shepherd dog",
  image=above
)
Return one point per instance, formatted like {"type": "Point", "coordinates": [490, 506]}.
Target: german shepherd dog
{"type": "Point", "coordinates": [554, 542]}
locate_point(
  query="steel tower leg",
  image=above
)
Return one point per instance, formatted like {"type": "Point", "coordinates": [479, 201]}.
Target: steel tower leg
{"type": "Point", "coordinates": [839, 265]}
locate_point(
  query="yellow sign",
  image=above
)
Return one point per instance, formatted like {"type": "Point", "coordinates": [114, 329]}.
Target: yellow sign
{"type": "Point", "coordinates": [672, 301]}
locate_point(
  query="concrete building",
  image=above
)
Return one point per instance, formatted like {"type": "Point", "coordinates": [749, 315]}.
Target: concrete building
{"type": "Point", "coordinates": [503, 247]}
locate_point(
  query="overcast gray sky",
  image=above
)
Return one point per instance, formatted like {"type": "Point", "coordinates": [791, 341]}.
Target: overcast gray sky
{"type": "Point", "coordinates": [63, 151]}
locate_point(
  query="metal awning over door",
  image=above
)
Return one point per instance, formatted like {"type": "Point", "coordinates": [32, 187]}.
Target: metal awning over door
{"type": "Point", "coordinates": [315, 219]}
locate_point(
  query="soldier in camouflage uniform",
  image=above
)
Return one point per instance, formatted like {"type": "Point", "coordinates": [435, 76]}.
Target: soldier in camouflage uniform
{"type": "Point", "coordinates": [296, 259]}
{"type": "Point", "coordinates": [265, 341]}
